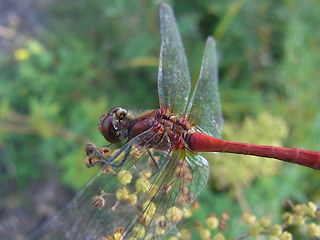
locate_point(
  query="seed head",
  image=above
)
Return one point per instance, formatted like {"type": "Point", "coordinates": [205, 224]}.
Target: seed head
{"type": "Point", "coordinates": [98, 201]}
{"type": "Point", "coordinates": [139, 231]}
{"type": "Point", "coordinates": [204, 233]}
{"type": "Point", "coordinates": [254, 229]}
{"type": "Point", "coordinates": [248, 217]}
{"type": "Point", "coordinates": [286, 236]}
{"type": "Point", "coordinates": [174, 214]}
{"type": "Point", "coordinates": [219, 236]}
{"type": "Point", "coordinates": [142, 185]}
{"type": "Point", "coordinates": [313, 230]}
{"type": "Point", "coordinates": [122, 194]}
{"type": "Point", "coordinates": [275, 230]}
{"type": "Point", "coordinates": [212, 222]}
{"type": "Point", "coordinates": [149, 208]}
{"type": "Point", "coordinates": [132, 199]}
{"type": "Point", "coordinates": [124, 177]}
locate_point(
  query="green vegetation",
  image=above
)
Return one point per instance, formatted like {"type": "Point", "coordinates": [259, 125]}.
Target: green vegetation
{"type": "Point", "coordinates": [94, 55]}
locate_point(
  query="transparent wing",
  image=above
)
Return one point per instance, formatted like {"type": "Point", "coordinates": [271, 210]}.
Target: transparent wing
{"type": "Point", "coordinates": [173, 190]}
{"type": "Point", "coordinates": [93, 214]}
{"type": "Point", "coordinates": [204, 106]}
{"type": "Point", "coordinates": [138, 200]}
{"type": "Point", "coordinates": [173, 75]}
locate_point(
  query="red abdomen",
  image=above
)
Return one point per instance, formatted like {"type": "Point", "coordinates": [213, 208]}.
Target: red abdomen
{"type": "Point", "coordinates": [200, 142]}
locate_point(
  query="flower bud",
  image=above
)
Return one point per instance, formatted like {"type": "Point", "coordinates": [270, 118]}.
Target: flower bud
{"type": "Point", "coordinates": [265, 222]}
{"type": "Point", "coordinates": [272, 237]}
{"type": "Point", "coordinates": [248, 217]}
{"type": "Point", "coordinates": [174, 214]}
{"type": "Point", "coordinates": [312, 206]}
{"type": "Point", "coordinates": [122, 194]}
{"type": "Point", "coordinates": [124, 177]}
{"type": "Point", "coordinates": [298, 219]}
{"type": "Point", "coordinates": [298, 209]}
{"type": "Point", "coordinates": [287, 218]}
{"type": "Point", "coordinates": [204, 233]}
{"type": "Point", "coordinates": [313, 230]}
{"type": "Point", "coordinates": [188, 213]}
{"type": "Point", "coordinates": [142, 185]}
{"type": "Point", "coordinates": [219, 236]}
{"type": "Point", "coordinates": [286, 236]}
{"type": "Point", "coordinates": [139, 231]}
{"type": "Point", "coordinates": [132, 199]}
{"type": "Point", "coordinates": [310, 210]}
{"type": "Point", "coordinates": [149, 208]}
{"type": "Point", "coordinates": [276, 230]}
{"type": "Point", "coordinates": [254, 229]}
{"type": "Point", "coordinates": [212, 222]}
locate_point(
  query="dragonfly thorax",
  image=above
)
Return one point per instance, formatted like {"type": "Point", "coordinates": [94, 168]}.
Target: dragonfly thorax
{"type": "Point", "coordinates": [114, 126]}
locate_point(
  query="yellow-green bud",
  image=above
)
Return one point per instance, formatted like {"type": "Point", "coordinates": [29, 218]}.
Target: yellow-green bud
{"type": "Point", "coordinates": [124, 177]}
{"type": "Point", "coordinates": [254, 229]}
{"type": "Point", "coordinates": [248, 217]}
{"type": "Point", "coordinates": [142, 185]}
{"type": "Point", "coordinates": [286, 236]}
{"type": "Point", "coordinates": [188, 213]}
{"type": "Point", "coordinates": [265, 222]}
{"type": "Point", "coordinates": [313, 230]}
{"type": "Point", "coordinates": [132, 199]}
{"type": "Point", "coordinates": [287, 218]}
{"type": "Point", "coordinates": [139, 231]}
{"type": "Point", "coordinates": [298, 209]}
{"type": "Point", "coordinates": [272, 237]}
{"type": "Point", "coordinates": [122, 194]}
{"type": "Point", "coordinates": [212, 222]}
{"type": "Point", "coordinates": [298, 219]}
{"type": "Point", "coordinates": [114, 236]}
{"type": "Point", "coordinates": [310, 210]}
{"type": "Point", "coordinates": [219, 236]}
{"type": "Point", "coordinates": [174, 214]}
{"type": "Point", "coordinates": [275, 230]}
{"type": "Point", "coordinates": [204, 233]}
{"type": "Point", "coordinates": [149, 208]}
{"type": "Point", "coordinates": [118, 236]}
{"type": "Point", "coordinates": [312, 206]}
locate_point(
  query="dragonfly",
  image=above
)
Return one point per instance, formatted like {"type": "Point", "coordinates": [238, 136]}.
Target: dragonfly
{"type": "Point", "coordinates": [144, 188]}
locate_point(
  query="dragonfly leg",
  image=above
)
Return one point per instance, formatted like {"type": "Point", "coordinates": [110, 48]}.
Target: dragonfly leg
{"type": "Point", "coordinates": [106, 160]}
{"type": "Point", "coordinates": [153, 159]}
{"type": "Point", "coordinates": [124, 158]}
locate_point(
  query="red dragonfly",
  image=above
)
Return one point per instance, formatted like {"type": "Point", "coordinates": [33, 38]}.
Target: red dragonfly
{"type": "Point", "coordinates": [143, 190]}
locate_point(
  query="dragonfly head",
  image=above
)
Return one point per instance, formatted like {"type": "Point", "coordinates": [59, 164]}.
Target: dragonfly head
{"type": "Point", "coordinates": [114, 126]}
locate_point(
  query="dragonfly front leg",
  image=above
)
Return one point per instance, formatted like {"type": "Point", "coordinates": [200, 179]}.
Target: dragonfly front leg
{"type": "Point", "coordinates": [124, 158]}
{"type": "Point", "coordinates": [153, 159]}
{"type": "Point", "coordinates": [103, 159]}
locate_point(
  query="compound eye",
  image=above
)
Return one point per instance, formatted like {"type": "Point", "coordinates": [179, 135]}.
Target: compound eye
{"type": "Point", "coordinates": [109, 126]}
{"type": "Point", "coordinates": [107, 130]}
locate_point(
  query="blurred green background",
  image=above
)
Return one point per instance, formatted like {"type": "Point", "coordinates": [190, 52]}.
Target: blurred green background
{"type": "Point", "coordinates": [64, 64]}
